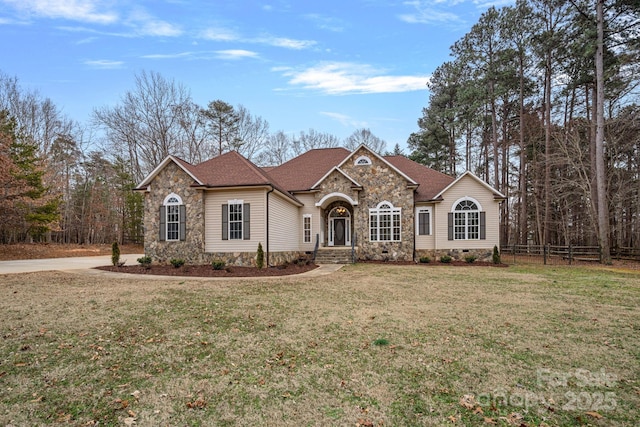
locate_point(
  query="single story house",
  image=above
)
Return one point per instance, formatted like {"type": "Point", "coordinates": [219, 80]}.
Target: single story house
{"type": "Point", "coordinates": [376, 207]}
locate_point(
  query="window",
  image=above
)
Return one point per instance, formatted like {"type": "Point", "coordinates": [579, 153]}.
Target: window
{"type": "Point", "coordinates": [306, 228]}
{"type": "Point", "coordinates": [235, 220]}
{"type": "Point", "coordinates": [424, 221]}
{"type": "Point", "coordinates": [172, 219]}
{"type": "Point", "coordinates": [363, 161]}
{"type": "Point", "coordinates": [385, 223]}
{"type": "Point", "coordinates": [467, 221]}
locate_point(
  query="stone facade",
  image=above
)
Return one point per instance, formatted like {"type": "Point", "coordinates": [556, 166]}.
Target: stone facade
{"type": "Point", "coordinates": [484, 255]}
{"type": "Point", "coordinates": [248, 259]}
{"type": "Point", "coordinates": [380, 183]}
{"type": "Point", "coordinates": [172, 179]}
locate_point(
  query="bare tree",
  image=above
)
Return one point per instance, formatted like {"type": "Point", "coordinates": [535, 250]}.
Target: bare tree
{"type": "Point", "coordinates": [279, 149]}
{"type": "Point", "coordinates": [253, 131]}
{"type": "Point", "coordinates": [314, 139]}
{"type": "Point", "coordinates": [146, 125]}
{"type": "Point", "coordinates": [364, 136]}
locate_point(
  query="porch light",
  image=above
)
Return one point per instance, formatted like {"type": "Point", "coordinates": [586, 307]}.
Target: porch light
{"type": "Point", "coordinates": [341, 210]}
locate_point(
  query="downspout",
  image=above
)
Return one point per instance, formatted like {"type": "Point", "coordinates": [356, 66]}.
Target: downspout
{"type": "Point", "coordinates": [267, 230]}
{"type": "Point", "coordinates": [415, 224]}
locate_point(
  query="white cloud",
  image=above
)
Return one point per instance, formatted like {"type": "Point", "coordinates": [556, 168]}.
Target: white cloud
{"type": "Point", "coordinates": [145, 24]}
{"type": "Point", "coordinates": [340, 78]}
{"type": "Point", "coordinates": [427, 12]}
{"type": "Point", "coordinates": [285, 42]}
{"type": "Point", "coordinates": [232, 54]}
{"type": "Point", "coordinates": [75, 10]}
{"type": "Point", "coordinates": [345, 120]}
{"type": "Point", "coordinates": [219, 34]}
{"type": "Point", "coordinates": [236, 54]}
{"type": "Point", "coordinates": [104, 64]}
{"type": "Point", "coordinates": [325, 22]}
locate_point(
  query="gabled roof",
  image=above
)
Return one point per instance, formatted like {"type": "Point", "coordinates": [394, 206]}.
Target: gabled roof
{"type": "Point", "coordinates": [382, 159]}
{"type": "Point", "coordinates": [302, 172]}
{"type": "Point", "coordinates": [186, 167]}
{"type": "Point", "coordinates": [431, 182]}
{"type": "Point", "coordinates": [496, 193]}
{"type": "Point", "coordinates": [340, 171]}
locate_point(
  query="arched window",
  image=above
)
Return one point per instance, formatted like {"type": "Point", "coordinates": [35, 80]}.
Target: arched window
{"type": "Point", "coordinates": [466, 222]}
{"type": "Point", "coordinates": [172, 219]}
{"type": "Point", "coordinates": [385, 223]}
{"type": "Point", "coordinates": [363, 161]}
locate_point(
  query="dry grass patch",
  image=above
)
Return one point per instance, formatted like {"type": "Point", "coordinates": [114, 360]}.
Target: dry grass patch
{"type": "Point", "coordinates": [369, 345]}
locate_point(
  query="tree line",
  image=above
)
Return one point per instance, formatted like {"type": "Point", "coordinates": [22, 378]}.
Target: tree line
{"type": "Point", "coordinates": [68, 182]}
{"type": "Point", "coordinates": [540, 100]}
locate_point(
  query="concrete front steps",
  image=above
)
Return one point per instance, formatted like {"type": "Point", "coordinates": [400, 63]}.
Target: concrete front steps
{"type": "Point", "coordinates": [334, 255]}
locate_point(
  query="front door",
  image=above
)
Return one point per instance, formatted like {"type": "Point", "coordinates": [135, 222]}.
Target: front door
{"type": "Point", "coordinates": [339, 231]}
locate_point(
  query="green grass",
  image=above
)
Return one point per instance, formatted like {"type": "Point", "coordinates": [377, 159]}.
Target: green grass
{"type": "Point", "coordinates": [80, 350]}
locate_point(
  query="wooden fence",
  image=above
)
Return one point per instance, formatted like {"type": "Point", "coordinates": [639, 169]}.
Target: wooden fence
{"type": "Point", "coordinates": [562, 255]}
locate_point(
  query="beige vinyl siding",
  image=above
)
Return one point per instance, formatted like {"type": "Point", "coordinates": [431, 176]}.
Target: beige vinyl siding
{"type": "Point", "coordinates": [467, 187]}
{"type": "Point", "coordinates": [284, 224]}
{"type": "Point", "coordinates": [309, 208]}
{"type": "Point", "coordinates": [425, 242]}
{"type": "Point", "coordinates": [213, 202]}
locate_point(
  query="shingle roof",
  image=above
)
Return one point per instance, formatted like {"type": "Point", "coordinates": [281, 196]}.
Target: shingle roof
{"type": "Point", "coordinates": [302, 172]}
{"type": "Point", "coordinates": [431, 181]}
{"type": "Point", "coordinates": [233, 170]}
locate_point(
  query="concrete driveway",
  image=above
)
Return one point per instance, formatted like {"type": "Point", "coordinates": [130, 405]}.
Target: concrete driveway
{"type": "Point", "coordinates": [51, 264]}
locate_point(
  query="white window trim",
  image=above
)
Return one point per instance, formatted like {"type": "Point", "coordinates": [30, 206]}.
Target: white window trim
{"type": "Point", "coordinates": [172, 201]}
{"type": "Point", "coordinates": [241, 221]}
{"type": "Point", "coordinates": [429, 210]}
{"type": "Point", "coordinates": [363, 161]}
{"type": "Point", "coordinates": [304, 229]}
{"type": "Point", "coordinates": [466, 218]}
{"type": "Point", "coordinates": [377, 212]}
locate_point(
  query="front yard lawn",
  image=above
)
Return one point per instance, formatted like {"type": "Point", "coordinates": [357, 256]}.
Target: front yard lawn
{"type": "Point", "coordinates": [371, 345]}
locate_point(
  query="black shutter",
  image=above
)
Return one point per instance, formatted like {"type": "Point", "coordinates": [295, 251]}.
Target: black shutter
{"type": "Point", "coordinates": [163, 224]}
{"type": "Point", "coordinates": [246, 219]}
{"type": "Point", "coordinates": [225, 222]}
{"type": "Point", "coordinates": [183, 222]}
{"type": "Point", "coordinates": [427, 223]}
{"type": "Point", "coordinates": [483, 225]}
{"type": "Point", "coordinates": [450, 225]}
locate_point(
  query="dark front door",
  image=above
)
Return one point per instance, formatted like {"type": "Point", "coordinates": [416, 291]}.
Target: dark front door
{"type": "Point", "coordinates": [338, 229]}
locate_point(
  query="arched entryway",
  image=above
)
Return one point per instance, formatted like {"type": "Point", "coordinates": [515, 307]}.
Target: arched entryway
{"type": "Point", "coordinates": [339, 226]}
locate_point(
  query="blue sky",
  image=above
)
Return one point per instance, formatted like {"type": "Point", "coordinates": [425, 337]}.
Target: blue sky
{"type": "Point", "coordinates": [334, 66]}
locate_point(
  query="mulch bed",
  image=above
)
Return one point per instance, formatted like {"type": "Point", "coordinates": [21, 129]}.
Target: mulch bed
{"type": "Point", "coordinates": [208, 271]}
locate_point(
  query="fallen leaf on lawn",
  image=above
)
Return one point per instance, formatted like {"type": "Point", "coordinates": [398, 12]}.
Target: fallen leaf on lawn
{"type": "Point", "coordinates": [199, 403]}
{"type": "Point", "coordinates": [131, 413]}
{"type": "Point", "coordinates": [488, 420]}
{"type": "Point", "coordinates": [136, 394]}
{"type": "Point", "coordinates": [468, 401]}
{"type": "Point", "coordinates": [478, 410]}
{"type": "Point", "coordinates": [364, 423]}
{"type": "Point", "coordinates": [514, 418]}
{"type": "Point", "coordinates": [594, 414]}
{"type": "Point", "coordinates": [452, 418]}
{"type": "Point", "coordinates": [129, 421]}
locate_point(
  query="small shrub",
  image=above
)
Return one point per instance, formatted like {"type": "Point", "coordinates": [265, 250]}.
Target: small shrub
{"type": "Point", "coordinates": [228, 269]}
{"type": "Point", "coordinates": [218, 265]}
{"type": "Point", "coordinates": [496, 255]}
{"type": "Point", "coordinates": [470, 259]}
{"type": "Point", "coordinates": [177, 262]}
{"type": "Point", "coordinates": [446, 259]}
{"type": "Point", "coordinates": [425, 259]}
{"type": "Point", "coordinates": [145, 261]}
{"type": "Point", "coordinates": [115, 254]}
{"type": "Point", "coordinates": [381, 342]}
{"type": "Point", "coordinates": [260, 256]}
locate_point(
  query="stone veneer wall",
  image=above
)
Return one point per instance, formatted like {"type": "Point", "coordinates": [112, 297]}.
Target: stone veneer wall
{"type": "Point", "coordinates": [248, 259]}
{"type": "Point", "coordinates": [381, 182]}
{"type": "Point", "coordinates": [485, 255]}
{"type": "Point", "coordinates": [172, 179]}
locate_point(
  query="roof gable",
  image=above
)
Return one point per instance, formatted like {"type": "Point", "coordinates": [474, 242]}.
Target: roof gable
{"type": "Point", "coordinates": [302, 172]}
{"type": "Point", "coordinates": [185, 166]}
{"type": "Point", "coordinates": [496, 193]}
{"type": "Point", "coordinates": [379, 157]}
{"type": "Point", "coordinates": [340, 171]}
